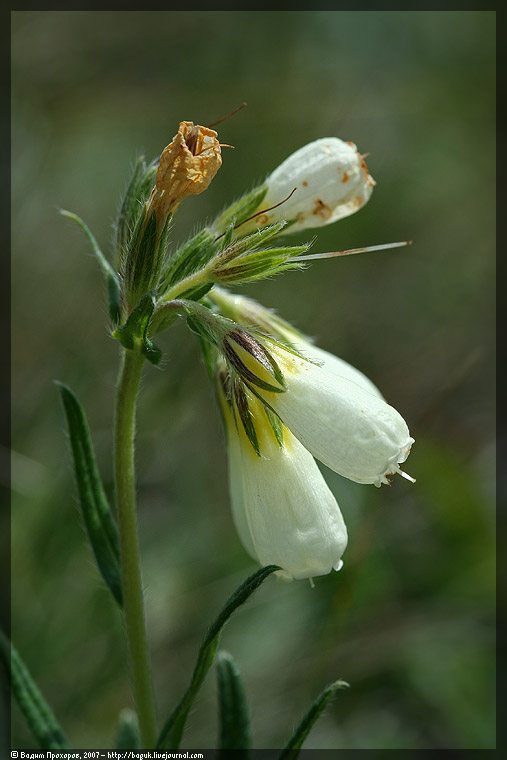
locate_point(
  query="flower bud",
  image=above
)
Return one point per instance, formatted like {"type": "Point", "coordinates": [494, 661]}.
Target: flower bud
{"type": "Point", "coordinates": [331, 180]}
{"type": "Point", "coordinates": [283, 510]}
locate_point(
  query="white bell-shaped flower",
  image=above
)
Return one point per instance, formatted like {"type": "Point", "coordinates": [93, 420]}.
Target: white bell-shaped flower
{"type": "Point", "coordinates": [283, 510]}
{"type": "Point", "coordinates": [351, 430]}
{"type": "Point", "coordinates": [331, 180]}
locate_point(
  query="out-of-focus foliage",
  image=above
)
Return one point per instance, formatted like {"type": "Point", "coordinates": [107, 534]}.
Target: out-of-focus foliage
{"type": "Point", "coordinates": [408, 622]}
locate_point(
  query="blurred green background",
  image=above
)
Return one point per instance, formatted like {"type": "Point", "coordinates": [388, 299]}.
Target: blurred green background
{"type": "Point", "coordinates": [409, 621]}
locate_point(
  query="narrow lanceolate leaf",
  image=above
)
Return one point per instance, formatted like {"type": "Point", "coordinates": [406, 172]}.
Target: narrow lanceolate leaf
{"type": "Point", "coordinates": [247, 243]}
{"type": "Point", "coordinates": [127, 735]}
{"type": "Point", "coordinates": [138, 190]}
{"type": "Point", "coordinates": [276, 425]}
{"type": "Point", "coordinates": [226, 237]}
{"type": "Point", "coordinates": [144, 256]}
{"type": "Point", "coordinates": [243, 273]}
{"type": "Point", "coordinates": [245, 415]}
{"type": "Point", "coordinates": [113, 284]}
{"type": "Point", "coordinates": [208, 353]}
{"type": "Point", "coordinates": [170, 736]}
{"type": "Point", "coordinates": [235, 732]}
{"type": "Point", "coordinates": [98, 520]}
{"type": "Point", "coordinates": [121, 230]}
{"type": "Point", "coordinates": [296, 741]}
{"type": "Point", "coordinates": [32, 704]}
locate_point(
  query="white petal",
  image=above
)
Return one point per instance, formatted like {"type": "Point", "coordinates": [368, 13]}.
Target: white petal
{"type": "Point", "coordinates": [293, 518]}
{"type": "Point", "coordinates": [349, 429]}
{"type": "Point", "coordinates": [336, 366]}
{"type": "Point", "coordinates": [237, 493]}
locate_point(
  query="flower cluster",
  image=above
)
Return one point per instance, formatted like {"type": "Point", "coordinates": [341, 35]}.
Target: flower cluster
{"type": "Point", "coordinates": [284, 401]}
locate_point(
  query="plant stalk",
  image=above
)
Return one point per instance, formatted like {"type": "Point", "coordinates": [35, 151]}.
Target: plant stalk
{"type": "Point", "coordinates": [201, 277]}
{"type": "Point", "coordinates": [133, 602]}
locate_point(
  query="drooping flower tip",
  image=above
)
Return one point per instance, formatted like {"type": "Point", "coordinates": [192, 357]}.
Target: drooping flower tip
{"type": "Point", "coordinates": [187, 166]}
{"type": "Point", "coordinates": [393, 465]}
{"type": "Point", "coordinates": [283, 509]}
{"type": "Point", "coordinates": [287, 577]}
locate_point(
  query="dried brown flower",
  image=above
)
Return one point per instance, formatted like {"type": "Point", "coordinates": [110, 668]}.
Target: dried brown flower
{"type": "Point", "coordinates": [187, 166]}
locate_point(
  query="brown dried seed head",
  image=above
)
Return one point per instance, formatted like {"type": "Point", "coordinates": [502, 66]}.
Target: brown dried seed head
{"type": "Point", "coordinates": [187, 166]}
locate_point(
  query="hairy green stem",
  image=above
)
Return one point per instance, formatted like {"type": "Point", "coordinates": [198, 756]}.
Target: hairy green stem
{"type": "Point", "coordinates": [201, 277]}
{"type": "Point", "coordinates": [133, 603]}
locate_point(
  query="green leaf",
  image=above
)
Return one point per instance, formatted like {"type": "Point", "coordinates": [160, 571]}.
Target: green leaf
{"type": "Point", "coordinates": [124, 212]}
{"type": "Point", "coordinates": [135, 330]}
{"type": "Point", "coordinates": [144, 256]}
{"type": "Point", "coordinates": [226, 237]}
{"type": "Point", "coordinates": [127, 735]}
{"type": "Point", "coordinates": [195, 294]}
{"type": "Point", "coordinates": [255, 264]}
{"type": "Point", "coordinates": [295, 743]}
{"type": "Point", "coordinates": [249, 242]}
{"type": "Point", "coordinates": [240, 271]}
{"type": "Point", "coordinates": [114, 298]}
{"type": "Point", "coordinates": [113, 284]}
{"type": "Point", "coordinates": [209, 354]}
{"type": "Point", "coordinates": [276, 425]}
{"type": "Point", "coordinates": [138, 191]}
{"type": "Point", "coordinates": [172, 732]}
{"type": "Point", "coordinates": [241, 209]}
{"type": "Point", "coordinates": [100, 525]}
{"type": "Point", "coordinates": [261, 273]}
{"type": "Point", "coordinates": [32, 704]}
{"type": "Point", "coordinates": [189, 258]}
{"type": "Point", "coordinates": [200, 328]}
{"type": "Point", "coordinates": [235, 732]}
{"type": "Point", "coordinates": [245, 415]}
